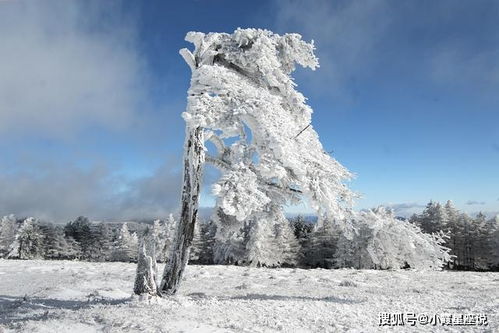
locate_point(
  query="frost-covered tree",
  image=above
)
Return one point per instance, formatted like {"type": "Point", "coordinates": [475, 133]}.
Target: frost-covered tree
{"type": "Point", "coordinates": [8, 230]}
{"type": "Point", "coordinates": [202, 244]}
{"type": "Point", "coordinates": [28, 242]}
{"type": "Point", "coordinates": [102, 241]}
{"type": "Point", "coordinates": [126, 245]}
{"type": "Point", "coordinates": [80, 231]}
{"type": "Point", "coordinates": [433, 218]}
{"type": "Point", "coordinates": [241, 88]}
{"type": "Point", "coordinates": [145, 278]}
{"type": "Point", "coordinates": [55, 245]}
{"type": "Point", "coordinates": [494, 242]}
{"type": "Point", "coordinates": [230, 244]}
{"type": "Point", "coordinates": [165, 233]}
{"type": "Point", "coordinates": [319, 246]}
{"type": "Point", "coordinates": [289, 249]}
{"type": "Point", "coordinates": [386, 242]}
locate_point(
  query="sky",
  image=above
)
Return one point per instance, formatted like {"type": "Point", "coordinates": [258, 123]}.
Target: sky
{"type": "Point", "coordinates": [91, 96]}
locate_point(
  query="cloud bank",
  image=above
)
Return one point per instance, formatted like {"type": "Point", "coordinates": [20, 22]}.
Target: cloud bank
{"type": "Point", "coordinates": [66, 65]}
{"type": "Point", "coordinates": [62, 193]}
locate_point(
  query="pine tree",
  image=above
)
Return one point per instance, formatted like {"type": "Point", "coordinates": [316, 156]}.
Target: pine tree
{"type": "Point", "coordinates": [479, 242]}
{"type": "Point", "coordinates": [80, 231]}
{"type": "Point", "coordinates": [126, 245]}
{"type": "Point", "coordinates": [289, 249]}
{"type": "Point", "coordinates": [102, 240]}
{"type": "Point", "coordinates": [320, 246]}
{"type": "Point", "coordinates": [494, 243]}
{"type": "Point", "coordinates": [8, 230]}
{"type": "Point", "coordinates": [54, 242]}
{"type": "Point", "coordinates": [202, 244]}
{"type": "Point", "coordinates": [28, 241]}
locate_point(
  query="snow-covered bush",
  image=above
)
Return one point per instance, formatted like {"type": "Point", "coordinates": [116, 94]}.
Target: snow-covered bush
{"type": "Point", "coordinates": [382, 241]}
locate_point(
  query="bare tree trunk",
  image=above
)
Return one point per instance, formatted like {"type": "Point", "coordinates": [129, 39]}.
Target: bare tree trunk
{"type": "Point", "coordinates": [193, 169]}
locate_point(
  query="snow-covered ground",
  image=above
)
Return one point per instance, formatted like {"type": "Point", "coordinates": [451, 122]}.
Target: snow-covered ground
{"type": "Point", "coordinates": [70, 296]}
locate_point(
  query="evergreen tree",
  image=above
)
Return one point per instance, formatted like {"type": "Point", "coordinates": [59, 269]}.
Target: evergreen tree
{"type": "Point", "coordinates": [28, 242]}
{"type": "Point", "coordinates": [480, 242]}
{"type": "Point", "coordinates": [289, 249]}
{"type": "Point", "coordinates": [494, 243]}
{"type": "Point", "coordinates": [8, 231]}
{"type": "Point", "coordinates": [80, 231]}
{"type": "Point", "coordinates": [319, 247]}
{"type": "Point", "coordinates": [54, 242]}
{"type": "Point", "coordinates": [203, 243]}
{"type": "Point", "coordinates": [126, 245]}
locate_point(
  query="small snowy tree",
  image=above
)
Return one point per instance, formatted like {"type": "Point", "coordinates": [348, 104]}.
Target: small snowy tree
{"type": "Point", "coordinates": [145, 278]}
{"type": "Point", "coordinates": [241, 88]}
{"type": "Point", "coordinates": [8, 230]}
{"type": "Point", "coordinates": [126, 245]}
{"type": "Point", "coordinates": [28, 242]}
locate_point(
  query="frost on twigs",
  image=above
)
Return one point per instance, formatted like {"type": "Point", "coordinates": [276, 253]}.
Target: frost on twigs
{"type": "Point", "coordinates": [243, 96]}
{"type": "Point", "coordinates": [242, 90]}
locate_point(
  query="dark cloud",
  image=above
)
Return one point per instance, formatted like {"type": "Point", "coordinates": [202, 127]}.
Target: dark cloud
{"type": "Point", "coordinates": [473, 202]}
{"type": "Point", "coordinates": [62, 193]}
{"type": "Point", "coordinates": [405, 209]}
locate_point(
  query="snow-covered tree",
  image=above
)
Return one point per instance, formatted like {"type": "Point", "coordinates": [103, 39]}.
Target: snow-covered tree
{"type": "Point", "coordinates": [202, 243]}
{"type": "Point", "coordinates": [386, 242]}
{"type": "Point", "coordinates": [494, 242]}
{"type": "Point", "coordinates": [164, 233]}
{"type": "Point", "coordinates": [8, 230]}
{"type": "Point", "coordinates": [319, 246]}
{"type": "Point", "coordinates": [55, 245]}
{"type": "Point", "coordinates": [126, 245]}
{"type": "Point", "coordinates": [230, 242]}
{"type": "Point", "coordinates": [28, 242]}
{"type": "Point", "coordinates": [102, 240]}
{"type": "Point", "coordinates": [145, 278]}
{"type": "Point", "coordinates": [289, 249]}
{"type": "Point", "coordinates": [241, 88]}
{"type": "Point", "coordinates": [80, 231]}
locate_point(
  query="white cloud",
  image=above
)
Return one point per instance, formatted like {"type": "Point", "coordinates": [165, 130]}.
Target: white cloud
{"type": "Point", "coordinates": [59, 75]}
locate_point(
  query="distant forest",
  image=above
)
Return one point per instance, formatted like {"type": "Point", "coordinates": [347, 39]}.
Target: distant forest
{"type": "Point", "coordinates": [473, 241]}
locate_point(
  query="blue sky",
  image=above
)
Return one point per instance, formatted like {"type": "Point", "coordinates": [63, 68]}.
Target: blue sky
{"type": "Point", "coordinates": [91, 94]}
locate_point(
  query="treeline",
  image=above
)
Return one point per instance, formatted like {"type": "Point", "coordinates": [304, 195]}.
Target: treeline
{"type": "Point", "coordinates": [473, 241]}
{"type": "Point", "coordinates": [29, 238]}
{"type": "Point", "coordinates": [381, 241]}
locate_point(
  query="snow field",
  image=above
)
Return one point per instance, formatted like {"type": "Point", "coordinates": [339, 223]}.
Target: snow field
{"type": "Point", "coordinates": [63, 296]}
